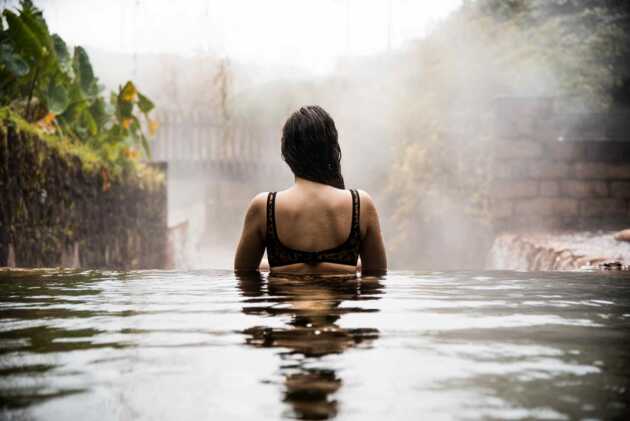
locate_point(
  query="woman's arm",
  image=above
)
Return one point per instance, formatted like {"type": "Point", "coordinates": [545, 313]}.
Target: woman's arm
{"type": "Point", "coordinates": [373, 258]}
{"type": "Point", "coordinates": [252, 243]}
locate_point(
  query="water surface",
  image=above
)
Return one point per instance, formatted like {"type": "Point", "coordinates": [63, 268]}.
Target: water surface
{"type": "Point", "coordinates": [208, 345]}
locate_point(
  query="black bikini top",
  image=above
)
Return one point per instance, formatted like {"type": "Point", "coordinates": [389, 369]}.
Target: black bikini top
{"type": "Point", "coordinates": [280, 255]}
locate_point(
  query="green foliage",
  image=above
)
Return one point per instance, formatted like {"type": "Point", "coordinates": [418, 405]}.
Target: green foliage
{"type": "Point", "coordinates": [57, 99]}
{"type": "Point", "coordinates": [13, 62]}
{"type": "Point", "coordinates": [59, 92]}
{"type": "Point", "coordinates": [584, 43]}
{"type": "Point", "coordinates": [23, 37]}
{"type": "Point", "coordinates": [53, 190]}
{"type": "Point", "coordinates": [85, 74]}
{"type": "Point", "coordinates": [63, 56]}
{"type": "Point", "coordinates": [145, 103]}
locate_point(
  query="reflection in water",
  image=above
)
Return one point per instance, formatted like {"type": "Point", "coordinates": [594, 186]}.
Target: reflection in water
{"type": "Point", "coordinates": [45, 291]}
{"type": "Point", "coordinates": [313, 306]}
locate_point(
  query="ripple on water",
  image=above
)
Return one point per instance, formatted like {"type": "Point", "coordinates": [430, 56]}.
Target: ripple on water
{"type": "Point", "coordinates": [208, 344]}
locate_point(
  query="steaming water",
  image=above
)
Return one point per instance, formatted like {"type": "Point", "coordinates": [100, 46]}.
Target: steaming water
{"type": "Point", "coordinates": [207, 345]}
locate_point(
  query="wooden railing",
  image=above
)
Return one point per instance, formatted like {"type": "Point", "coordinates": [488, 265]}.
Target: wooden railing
{"type": "Point", "coordinates": [197, 136]}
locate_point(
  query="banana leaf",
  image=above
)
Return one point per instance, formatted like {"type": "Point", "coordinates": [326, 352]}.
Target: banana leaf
{"type": "Point", "coordinates": [63, 56]}
{"type": "Point", "coordinates": [57, 99]}
{"type": "Point", "coordinates": [23, 38]}
{"type": "Point", "coordinates": [99, 112]}
{"type": "Point", "coordinates": [89, 122]}
{"type": "Point", "coordinates": [33, 19]}
{"type": "Point", "coordinates": [83, 69]}
{"type": "Point", "coordinates": [13, 62]}
{"type": "Point", "coordinates": [145, 145]}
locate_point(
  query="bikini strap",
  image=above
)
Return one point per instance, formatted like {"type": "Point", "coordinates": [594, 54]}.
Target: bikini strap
{"type": "Point", "coordinates": [271, 215]}
{"type": "Point", "coordinates": [356, 210]}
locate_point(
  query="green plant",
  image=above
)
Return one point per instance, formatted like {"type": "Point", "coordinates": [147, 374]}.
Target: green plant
{"type": "Point", "coordinates": [57, 90]}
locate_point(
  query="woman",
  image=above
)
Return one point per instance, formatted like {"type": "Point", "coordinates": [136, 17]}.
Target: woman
{"type": "Point", "coordinates": [315, 226]}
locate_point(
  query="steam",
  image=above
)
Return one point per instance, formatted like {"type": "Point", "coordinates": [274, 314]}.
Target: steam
{"type": "Point", "coordinates": [414, 124]}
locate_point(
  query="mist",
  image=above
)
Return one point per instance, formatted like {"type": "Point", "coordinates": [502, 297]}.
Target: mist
{"type": "Point", "coordinates": [412, 91]}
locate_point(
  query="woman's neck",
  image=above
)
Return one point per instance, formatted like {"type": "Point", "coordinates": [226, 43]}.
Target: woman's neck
{"type": "Point", "coordinates": [308, 184]}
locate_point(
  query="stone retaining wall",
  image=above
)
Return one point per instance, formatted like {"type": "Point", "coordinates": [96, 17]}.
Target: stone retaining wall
{"type": "Point", "coordinates": [55, 211]}
{"type": "Point", "coordinates": [554, 170]}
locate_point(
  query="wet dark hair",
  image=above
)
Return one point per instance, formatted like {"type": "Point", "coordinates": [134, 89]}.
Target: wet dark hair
{"type": "Point", "coordinates": [310, 146]}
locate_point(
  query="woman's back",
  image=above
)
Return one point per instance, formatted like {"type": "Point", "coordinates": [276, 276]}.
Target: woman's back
{"type": "Point", "coordinates": [314, 218]}
{"type": "Point", "coordinates": [312, 228]}
{"type": "Point", "coordinates": [317, 228]}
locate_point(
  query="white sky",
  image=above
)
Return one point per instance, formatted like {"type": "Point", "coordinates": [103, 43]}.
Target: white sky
{"type": "Point", "coordinates": [306, 33]}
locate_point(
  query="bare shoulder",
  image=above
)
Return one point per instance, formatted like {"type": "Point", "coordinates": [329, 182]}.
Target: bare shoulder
{"type": "Point", "coordinates": [259, 200]}
{"type": "Point", "coordinates": [366, 201]}
{"type": "Point", "coordinates": [258, 204]}
{"type": "Point", "coordinates": [368, 217]}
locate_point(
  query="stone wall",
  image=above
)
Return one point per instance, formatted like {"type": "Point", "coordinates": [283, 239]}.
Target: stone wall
{"type": "Point", "coordinates": [554, 170]}
{"type": "Point", "coordinates": [56, 211]}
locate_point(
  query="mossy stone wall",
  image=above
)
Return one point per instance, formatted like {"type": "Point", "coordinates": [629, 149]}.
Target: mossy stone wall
{"type": "Point", "coordinates": [51, 202]}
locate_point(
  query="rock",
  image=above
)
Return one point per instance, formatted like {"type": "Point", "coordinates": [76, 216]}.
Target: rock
{"type": "Point", "coordinates": [612, 266]}
{"type": "Point", "coordinates": [580, 250]}
{"type": "Point", "coordinates": [623, 235]}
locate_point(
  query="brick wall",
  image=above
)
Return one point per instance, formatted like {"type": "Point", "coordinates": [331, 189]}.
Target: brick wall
{"type": "Point", "coordinates": [556, 170]}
